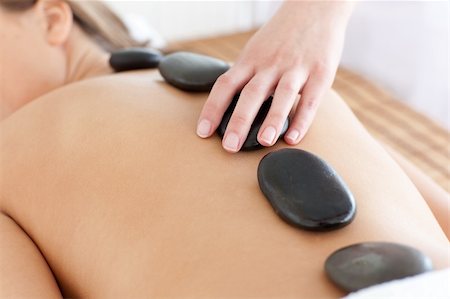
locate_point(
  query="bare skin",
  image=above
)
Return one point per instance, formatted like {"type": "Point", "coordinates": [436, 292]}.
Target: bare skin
{"type": "Point", "coordinates": [436, 197]}
{"type": "Point", "coordinates": [106, 191]}
{"type": "Point", "coordinates": [306, 40]}
{"type": "Point", "coordinates": [123, 200]}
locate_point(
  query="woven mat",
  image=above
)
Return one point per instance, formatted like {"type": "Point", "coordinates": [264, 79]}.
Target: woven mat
{"type": "Point", "coordinates": [412, 134]}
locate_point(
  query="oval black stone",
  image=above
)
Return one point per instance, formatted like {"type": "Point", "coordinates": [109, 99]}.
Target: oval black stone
{"type": "Point", "coordinates": [134, 59]}
{"type": "Point", "coordinates": [251, 143]}
{"type": "Point", "coordinates": [305, 191]}
{"type": "Point", "coordinates": [191, 71]}
{"type": "Point", "coordinates": [366, 264]}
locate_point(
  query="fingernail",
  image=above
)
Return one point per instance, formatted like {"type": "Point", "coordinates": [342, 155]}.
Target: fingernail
{"type": "Point", "coordinates": [268, 135]}
{"type": "Point", "coordinates": [293, 135]}
{"type": "Point", "coordinates": [231, 142]}
{"type": "Point", "coordinates": [203, 128]}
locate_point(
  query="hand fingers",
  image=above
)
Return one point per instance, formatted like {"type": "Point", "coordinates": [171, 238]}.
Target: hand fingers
{"type": "Point", "coordinates": [252, 96]}
{"type": "Point", "coordinates": [313, 90]}
{"type": "Point", "coordinates": [285, 95]}
{"type": "Point", "coordinates": [222, 93]}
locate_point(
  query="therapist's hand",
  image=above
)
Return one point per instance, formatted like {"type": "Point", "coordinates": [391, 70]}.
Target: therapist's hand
{"type": "Point", "coordinates": [296, 52]}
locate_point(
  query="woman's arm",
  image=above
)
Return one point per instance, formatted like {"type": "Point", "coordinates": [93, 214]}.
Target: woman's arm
{"type": "Point", "coordinates": [437, 198]}
{"type": "Point", "coordinates": [24, 273]}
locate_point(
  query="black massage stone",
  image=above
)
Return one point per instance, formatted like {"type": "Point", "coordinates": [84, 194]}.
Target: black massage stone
{"type": "Point", "coordinates": [305, 191]}
{"type": "Point", "coordinates": [366, 264]}
{"type": "Point", "coordinates": [134, 59]}
{"type": "Point", "coordinates": [192, 72]}
{"type": "Point", "coordinates": [251, 143]}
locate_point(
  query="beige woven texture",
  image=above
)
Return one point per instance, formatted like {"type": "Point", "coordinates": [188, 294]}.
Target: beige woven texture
{"type": "Point", "coordinates": [416, 137]}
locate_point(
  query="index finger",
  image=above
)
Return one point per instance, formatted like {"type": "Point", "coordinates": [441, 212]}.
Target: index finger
{"type": "Point", "coordinates": [222, 93]}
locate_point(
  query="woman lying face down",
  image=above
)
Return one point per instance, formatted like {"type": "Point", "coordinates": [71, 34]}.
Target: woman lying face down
{"type": "Point", "coordinates": [54, 43]}
{"type": "Point", "coordinates": [106, 191]}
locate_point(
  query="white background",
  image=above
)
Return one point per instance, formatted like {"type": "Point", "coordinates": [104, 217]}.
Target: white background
{"type": "Point", "coordinates": [401, 46]}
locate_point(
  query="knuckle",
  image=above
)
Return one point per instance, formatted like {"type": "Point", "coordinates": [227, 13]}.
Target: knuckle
{"type": "Point", "coordinates": [321, 67]}
{"type": "Point", "coordinates": [310, 104]}
{"type": "Point", "coordinates": [277, 58]}
{"type": "Point", "coordinates": [214, 110]}
{"type": "Point", "coordinates": [271, 68]}
{"type": "Point", "coordinates": [288, 86]}
{"type": "Point", "coordinates": [254, 88]}
{"type": "Point", "coordinates": [298, 62]}
{"type": "Point", "coordinates": [244, 62]}
{"type": "Point", "coordinates": [322, 71]}
{"type": "Point", "coordinates": [226, 79]}
{"type": "Point", "coordinates": [239, 120]}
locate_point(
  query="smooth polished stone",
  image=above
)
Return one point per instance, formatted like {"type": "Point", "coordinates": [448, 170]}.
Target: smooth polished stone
{"type": "Point", "coordinates": [251, 143]}
{"type": "Point", "coordinates": [366, 264]}
{"type": "Point", "coordinates": [191, 71]}
{"type": "Point", "coordinates": [305, 191]}
{"type": "Point", "coordinates": [135, 59]}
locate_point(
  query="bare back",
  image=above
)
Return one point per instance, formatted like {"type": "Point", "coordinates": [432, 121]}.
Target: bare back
{"type": "Point", "coordinates": [110, 181]}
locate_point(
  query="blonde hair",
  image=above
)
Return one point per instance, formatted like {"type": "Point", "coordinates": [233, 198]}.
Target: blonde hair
{"type": "Point", "coordinates": [95, 18]}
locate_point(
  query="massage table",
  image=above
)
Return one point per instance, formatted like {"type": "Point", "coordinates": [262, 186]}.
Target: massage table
{"type": "Point", "coordinates": [412, 134]}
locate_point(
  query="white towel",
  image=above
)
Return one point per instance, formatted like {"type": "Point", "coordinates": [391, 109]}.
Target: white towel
{"type": "Point", "coordinates": [430, 285]}
{"type": "Point", "coordinates": [142, 31]}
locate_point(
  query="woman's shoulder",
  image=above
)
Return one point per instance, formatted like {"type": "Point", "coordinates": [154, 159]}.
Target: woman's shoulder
{"type": "Point", "coordinates": [114, 87]}
{"type": "Point", "coordinates": [98, 114]}
{"type": "Point", "coordinates": [105, 95]}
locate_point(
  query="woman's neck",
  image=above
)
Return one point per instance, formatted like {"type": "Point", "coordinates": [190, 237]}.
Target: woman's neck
{"type": "Point", "coordinates": [85, 59]}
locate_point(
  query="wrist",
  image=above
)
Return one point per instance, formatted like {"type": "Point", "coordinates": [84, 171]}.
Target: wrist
{"type": "Point", "coordinates": [335, 10]}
